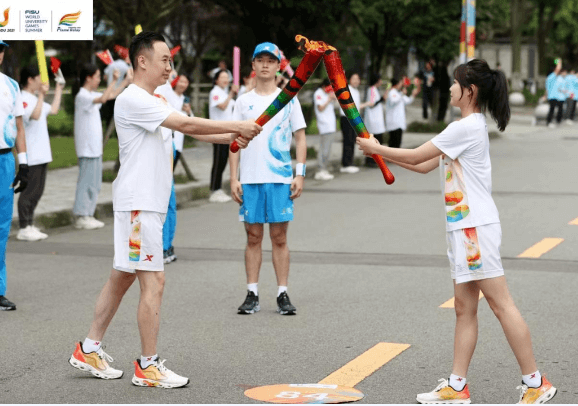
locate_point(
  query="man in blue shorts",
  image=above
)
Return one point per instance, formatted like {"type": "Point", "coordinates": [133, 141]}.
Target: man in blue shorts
{"type": "Point", "coordinates": [266, 188]}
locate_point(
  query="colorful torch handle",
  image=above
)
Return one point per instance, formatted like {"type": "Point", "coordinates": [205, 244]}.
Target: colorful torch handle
{"type": "Point", "coordinates": [339, 82]}
{"type": "Point", "coordinates": [305, 69]}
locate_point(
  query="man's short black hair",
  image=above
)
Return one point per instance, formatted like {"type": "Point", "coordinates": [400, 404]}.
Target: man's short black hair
{"type": "Point", "coordinates": [2, 48]}
{"type": "Point", "coordinates": [394, 81]}
{"type": "Point", "coordinates": [144, 40]}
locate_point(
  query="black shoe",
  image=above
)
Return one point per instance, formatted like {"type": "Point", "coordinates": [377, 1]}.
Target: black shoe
{"type": "Point", "coordinates": [251, 304]}
{"type": "Point", "coordinates": [284, 305]}
{"type": "Point", "coordinates": [6, 304]}
{"type": "Point", "coordinates": [172, 255]}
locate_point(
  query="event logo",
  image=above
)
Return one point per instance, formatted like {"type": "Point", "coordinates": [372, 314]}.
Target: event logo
{"type": "Point", "coordinates": [6, 18]}
{"type": "Point", "coordinates": [67, 21]}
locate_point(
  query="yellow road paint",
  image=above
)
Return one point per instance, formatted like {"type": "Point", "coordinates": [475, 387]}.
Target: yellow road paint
{"type": "Point", "coordinates": [367, 363]}
{"type": "Point", "coordinates": [539, 249]}
{"type": "Point", "coordinates": [450, 304]}
{"type": "Point", "coordinates": [574, 222]}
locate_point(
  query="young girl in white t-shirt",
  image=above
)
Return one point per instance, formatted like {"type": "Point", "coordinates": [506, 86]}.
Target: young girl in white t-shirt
{"type": "Point", "coordinates": [374, 118]}
{"type": "Point", "coordinates": [473, 227]}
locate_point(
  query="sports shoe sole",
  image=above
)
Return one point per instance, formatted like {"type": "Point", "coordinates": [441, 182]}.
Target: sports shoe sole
{"type": "Point", "coordinates": [254, 310]}
{"type": "Point", "coordinates": [441, 402]}
{"type": "Point", "coordinates": [7, 308]}
{"type": "Point", "coordinates": [149, 383]}
{"type": "Point", "coordinates": [550, 393]}
{"type": "Point", "coordinates": [87, 368]}
{"type": "Point", "coordinates": [285, 312]}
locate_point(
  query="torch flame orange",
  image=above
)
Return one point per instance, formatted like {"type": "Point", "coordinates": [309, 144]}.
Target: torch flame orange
{"type": "Point", "coordinates": [6, 18]}
{"type": "Point", "coordinates": [316, 46]}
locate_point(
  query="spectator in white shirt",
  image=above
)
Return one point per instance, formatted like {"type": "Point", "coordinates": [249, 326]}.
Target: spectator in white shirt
{"type": "Point", "coordinates": [323, 99]}
{"type": "Point", "coordinates": [395, 111]}
{"type": "Point", "coordinates": [373, 118]}
{"type": "Point", "coordinates": [38, 147]}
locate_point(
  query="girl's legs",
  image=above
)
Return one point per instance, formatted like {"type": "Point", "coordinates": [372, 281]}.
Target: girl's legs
{"type": "Point", "coordinates": [466, 335]}
{"type": "Point", "coordinates": [515, 328]}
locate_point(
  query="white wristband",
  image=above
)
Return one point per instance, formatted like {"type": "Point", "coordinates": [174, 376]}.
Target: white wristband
{"type": "Point", "coordinates": [300, 170]}
{"type": "Point", "coordinates": [22, 158]}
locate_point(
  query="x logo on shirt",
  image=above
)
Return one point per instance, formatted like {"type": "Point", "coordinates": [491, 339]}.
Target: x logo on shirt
{"type": "Point", "coordinates": [149, 258]}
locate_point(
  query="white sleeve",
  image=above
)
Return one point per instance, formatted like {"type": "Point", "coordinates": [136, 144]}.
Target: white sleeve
{"type": "Point", "coordinates": [148, 112]}
{"type": "Point", "coordinates": [27, 112]}
{"type": "Point", "coordinates": [216, 98]}
{"type": "Point", "coordinates": [408, 99]}
{"type": "Point", "coordinates": [85, 100]}
{"type": "Point", "coordinates": [296, 118]}
{"type": "Point", "coordinates": [453, 141]}
{"type": "Point", "coordinates": [393, 98]}
{"type": "Point", "coordinates": [318, 99]}
{"type": "Point", "coordinates": [19, 106]}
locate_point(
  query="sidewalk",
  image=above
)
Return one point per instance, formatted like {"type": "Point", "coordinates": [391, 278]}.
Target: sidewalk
{"type": "Point", "coordinates": [55, 206]}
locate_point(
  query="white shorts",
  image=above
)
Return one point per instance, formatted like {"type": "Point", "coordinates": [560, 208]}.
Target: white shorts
{"type": "Point", "coordinates": [474, 253]}
{"type": "Point", "coordinates": [138, 241]}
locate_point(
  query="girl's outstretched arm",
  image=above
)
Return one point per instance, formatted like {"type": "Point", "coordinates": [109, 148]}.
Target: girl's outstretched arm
{"type": "Point", "coordinates": [425, 167]}
{"type": "Point", "coordinates": [414, 157]}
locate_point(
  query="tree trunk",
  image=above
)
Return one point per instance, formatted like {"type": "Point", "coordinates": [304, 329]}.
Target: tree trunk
{"type": "Point", "coordinates": [541, 32]}
{"type": "Point", "coordinates": [515, 19]}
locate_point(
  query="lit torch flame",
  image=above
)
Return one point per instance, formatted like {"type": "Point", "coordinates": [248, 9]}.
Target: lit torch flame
{"type": "Point", "coordinates": [314, 46]}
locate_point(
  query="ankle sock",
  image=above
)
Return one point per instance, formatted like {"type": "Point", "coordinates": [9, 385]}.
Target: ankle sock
{"type": "Point", "coordinates": [253, 288]}
{"type": "Point", "coordinates": [457, 382]}
{"type": "Point", "coordinates": [90, 345]}
{"type": "Point", "coordinates": [281, 290]}
{"type": "Point", "coordinates": [533, 380]}
{"type": "Point", "coordinates": [146, 361]}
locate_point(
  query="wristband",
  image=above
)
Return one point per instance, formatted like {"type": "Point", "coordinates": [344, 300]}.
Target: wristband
{"type": "Point", "coordinates": [22, 158]}
{"type": "Point", "coordinates": [300, 170]}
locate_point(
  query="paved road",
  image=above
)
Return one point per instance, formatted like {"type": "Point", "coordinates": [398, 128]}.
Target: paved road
{"type": "Point", "coordinates": [368, 266]}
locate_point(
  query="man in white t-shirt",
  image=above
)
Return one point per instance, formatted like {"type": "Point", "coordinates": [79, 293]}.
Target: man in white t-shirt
{"type": "Point", "coordinates": [11, 112]}
{"type": "Point", "coordinates": [323, 99]}
{"type": "Point", "coordinates": [140, 200]}
{"type": "Point", "coordinates": [266, 188]}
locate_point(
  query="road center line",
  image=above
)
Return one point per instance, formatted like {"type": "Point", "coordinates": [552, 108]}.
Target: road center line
{"type": "Point", "coordinates": [367, 363]}
{"type": "Point", "coordinates": [574, 222]}
{"type": "Point", "coordinates": [540, 248]}
{"type": "Point", "coordinates": [450, 304]}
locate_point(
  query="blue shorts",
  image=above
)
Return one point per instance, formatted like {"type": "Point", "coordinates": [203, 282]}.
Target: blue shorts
{"type": "Point", "coordinates": [266, 203]}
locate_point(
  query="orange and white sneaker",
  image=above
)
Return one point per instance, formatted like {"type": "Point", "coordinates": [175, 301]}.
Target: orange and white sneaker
{"type": "Point", "coordinates": [444, 393]}
{"type": "Point", "coordinates": [94, 362]}
{"type": "Point", "coordinates": [157, 375]}
{"type": "Point", "coordinates": [536, 395]}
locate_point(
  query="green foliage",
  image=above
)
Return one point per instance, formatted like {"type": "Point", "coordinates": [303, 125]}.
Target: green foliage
{"type": "Point", "coordinates": [61, 124]}
{"type": "Point", "coordinates": [64, 154]}
{"type": "Point", "coordinates": [532, 99]}
{"type": "Point", "coordinates": [311, 153]}
{"type": "Point", "coordinates": [426, 127]}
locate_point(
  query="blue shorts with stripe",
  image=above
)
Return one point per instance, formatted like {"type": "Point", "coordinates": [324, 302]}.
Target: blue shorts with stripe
{"type": "Point", "coordinates": [266, 203]}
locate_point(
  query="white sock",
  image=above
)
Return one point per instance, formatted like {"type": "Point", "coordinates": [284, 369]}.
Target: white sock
{"type": "Point", "coordinates": [253, 288]}
{"type": "Point", "coordinates": [90, 345]}
{"type": "Point", "coordinates": [281, 290]}
{"type": "Point", "coordinates": [457, 382]}
{"type": "Point", "coordinates": [533, 380]}
{"type": "Point", "coordinates": [146, 361]}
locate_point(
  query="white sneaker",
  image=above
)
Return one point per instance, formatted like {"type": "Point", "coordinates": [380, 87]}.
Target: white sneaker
{"type": "Point", "coordinates": [218, 196]}
{"type": "Point", "coordinates": [445, 394]}
{"type": "Point", "coordinates": [349, 169]}
{"type": "Point", "coordinates": [85, 223]}
{"type": "Point", "coordinates": [157, 375]}
{"type": "Point", "coordinates": [97, 223]}
{"type": "Point", "coordinates": [323, 175]}
{"type": "Point", "coordinates": [552, 125]}
{"type": "Point", "coordinates": [569, 122]}
{"type": "Point", "coordinates": [29, 234]}
{"type": "Point", "coordinates": [94, 362]}
{"type": "Point", "coordinates": [42, 235]}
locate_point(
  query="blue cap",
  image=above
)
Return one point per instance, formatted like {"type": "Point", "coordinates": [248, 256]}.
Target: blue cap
{"type": "Point", "coordinates": [3, 43]}
{"type": "Point", "coordinates": [267, 48]}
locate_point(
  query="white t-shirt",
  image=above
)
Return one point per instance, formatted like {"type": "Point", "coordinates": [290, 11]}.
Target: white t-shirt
{"type": "Point", "coordinates": [216, 97]}
{"type": "Point", "coordinates": [87, 124]}
{"type": "Point", "coordinates": [37, 140]}
{"type": "Point", "coordinates": [466, 173]}
{"type": "Point", "coordinates": [267, 159]}
{"type": "Point", "coordinates": [374, 120]}
{"type": "Point", "coordinates": [146, 153]}
{"type": "Point", "coordinates": [11, 106]}
{"type": "Point", "coordinates": [395, 110]}
{"type": "Point", "coordinates": [326, 122]}
{"type": "Point", "coordinates": [356, 99]}
{"type": "Point", "coordinates": [176, 101]}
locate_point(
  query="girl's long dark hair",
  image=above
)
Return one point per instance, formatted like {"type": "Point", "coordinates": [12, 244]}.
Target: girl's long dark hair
{"type": "Point", "coordinates": [492, 89]}
{"type": "Point", "coordinates": [88, 69]}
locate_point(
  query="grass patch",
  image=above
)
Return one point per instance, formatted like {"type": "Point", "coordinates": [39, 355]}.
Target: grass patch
{"type": "Point", "coordinates": [64, 154]}
{"type": "Point", "coordinates": [109, 175]}
{"type": "Point", "coordinates": [61, 124]}
{"type": "Point", "coordinates": [426, 127]}
{"type": "Point", "coordinates": [494, 134]}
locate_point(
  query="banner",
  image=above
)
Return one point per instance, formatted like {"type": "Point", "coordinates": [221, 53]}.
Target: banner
{"type": "Point", "coordinates": [66, 20]}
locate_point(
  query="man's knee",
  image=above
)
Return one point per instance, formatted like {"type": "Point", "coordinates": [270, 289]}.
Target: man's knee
{"type": "Point", "coordinates": [254, 235]}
